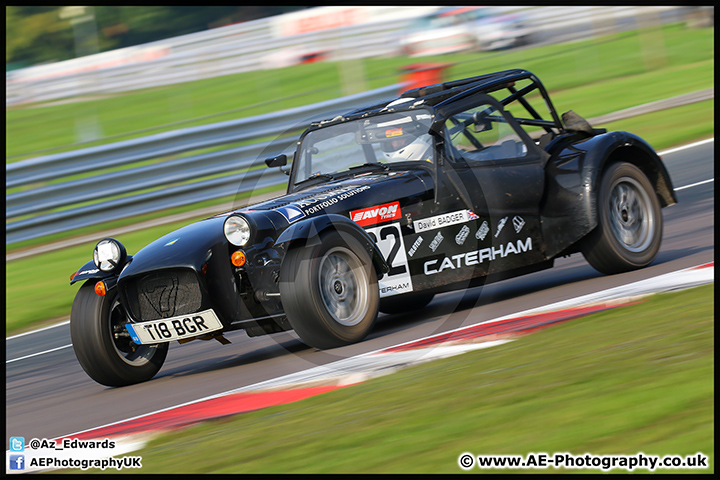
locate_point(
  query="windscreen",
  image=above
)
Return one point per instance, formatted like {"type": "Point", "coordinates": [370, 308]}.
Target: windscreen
{"type": "Point", "coordinates": [381, 139]}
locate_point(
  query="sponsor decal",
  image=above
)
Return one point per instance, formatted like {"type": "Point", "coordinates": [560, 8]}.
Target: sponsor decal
{"type": "Point", "coordinates": [389, 240]}
{"type": "Point", "coordinates": [443, 220]}
{"type": "Point", "coordinates": [518, 223]}
{"type": "Point", "coordinates": [378, 214]}
{"type": "Point", "coordinates": [475, 257]}
{"type": "Point", "coordinates": [462, 235]}
{"type": "Point", "coordinates": [482, 231]}
{"type": "Point", "coordinates": [436, 241]}
{"type": "Point", "coordinates": [324, 200]}
{"type": "Point", "coordinates": [291, 213]}
{"type": "Point", "coordinates": [415, 246]}
{"type": "Point", "coordinates": [340, 193]}
{"type": "Point", "coordinates": [501, 224]}
{"type": "Point", "coordinates": [321, 206]}
{"type": "Point", "coordinates": [388, 290]}
{"type": "Point", "coordinates": [171, 242]}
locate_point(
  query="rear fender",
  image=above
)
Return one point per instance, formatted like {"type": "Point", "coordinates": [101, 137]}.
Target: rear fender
{"type": "Point", "coordinates": [307, 232]}
{"type": "Point", "coordinates": [638, 152]}
{"type": "Point", "coordinates": [569, 210]}
{"type": "Point", "coordinates": [625, 147]}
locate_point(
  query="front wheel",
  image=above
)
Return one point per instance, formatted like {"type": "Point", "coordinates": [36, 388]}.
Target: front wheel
{"type": "Point", "coordinates": [329, 291]}
{"type": "Point", "coordinates": [102, 345]}
{"type": "Point", "coordinates": [630, 226]}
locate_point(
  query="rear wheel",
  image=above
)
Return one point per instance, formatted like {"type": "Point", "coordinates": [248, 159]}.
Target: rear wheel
{"type": "Point", "coordinates": [102, 345]}
{"type": "Point", "coordinates": [329, 291]}
{"type": "Point", "coordinates": [630, 225]}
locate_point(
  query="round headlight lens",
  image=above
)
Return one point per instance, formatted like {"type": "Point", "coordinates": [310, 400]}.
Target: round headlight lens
{"type": "Point", "coordinates": [237, 230]}
{"type": "Point", "coordinates": [109, 254]}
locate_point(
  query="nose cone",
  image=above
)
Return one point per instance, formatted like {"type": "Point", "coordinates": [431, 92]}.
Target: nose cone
{"type": "Point", "coordinates": [185, 247]}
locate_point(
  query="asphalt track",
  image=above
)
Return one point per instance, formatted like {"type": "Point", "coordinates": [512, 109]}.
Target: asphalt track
{"type": "Point", "coordinates": [48, 395]}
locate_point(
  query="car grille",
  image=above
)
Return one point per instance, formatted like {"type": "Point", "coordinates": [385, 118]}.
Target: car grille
{"type": "Point", "coordinates": [164, 294]}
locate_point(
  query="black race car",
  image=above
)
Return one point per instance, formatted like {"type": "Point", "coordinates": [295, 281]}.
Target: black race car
{"type": "Point", "coordinates": [440, 189]}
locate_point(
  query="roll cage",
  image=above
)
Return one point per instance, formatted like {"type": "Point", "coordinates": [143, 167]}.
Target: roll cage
{"type": "Point", "coordinates": [442, 97]}
{"type": "Point", "coordinates": [444, 94]}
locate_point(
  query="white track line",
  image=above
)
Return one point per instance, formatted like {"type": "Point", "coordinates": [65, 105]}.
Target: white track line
{"type": "Point", "coordinates": [36, 354]}
{"type": "Point", "coordinates": [689, 145]}
{"type": "Point", "coordinates": [695, 184]}
{"type": "Point", "coordinates": [39, 330]}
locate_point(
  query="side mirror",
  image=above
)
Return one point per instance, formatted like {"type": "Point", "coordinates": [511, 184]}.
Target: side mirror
{"type": "Point", "coordinates": [481, 121]}
{"type": "Point", "coordinates": [276, 161]}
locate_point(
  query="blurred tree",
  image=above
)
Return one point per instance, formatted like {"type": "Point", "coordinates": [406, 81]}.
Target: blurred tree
{"type": "Point", "coordinates": [36, 34]}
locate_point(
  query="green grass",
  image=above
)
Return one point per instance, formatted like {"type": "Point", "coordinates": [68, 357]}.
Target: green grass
{"type": "Point", "coordinates": [671, 127]}
{"type": "Point", "coordinates": [612, 95]}
{"type": "Point", "coordinates": [629, 380]}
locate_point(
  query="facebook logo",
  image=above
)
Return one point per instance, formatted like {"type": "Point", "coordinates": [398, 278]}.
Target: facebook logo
{"type": "Point", "coordinates": [17, 462]}
{"type": "Point", "coordinates": [17, 444]}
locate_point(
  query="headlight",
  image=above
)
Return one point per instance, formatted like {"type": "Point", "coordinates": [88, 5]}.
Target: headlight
{"type": "Point", "coordinates": [237, 230]}
{"type": "Point", "coordinates": [109, 254]}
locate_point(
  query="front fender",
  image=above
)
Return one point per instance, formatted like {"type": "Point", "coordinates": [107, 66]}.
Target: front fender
{"type": "Point", "coordinates": [90, 271]}
{"type": "Point", "coordinates": [308, 231]}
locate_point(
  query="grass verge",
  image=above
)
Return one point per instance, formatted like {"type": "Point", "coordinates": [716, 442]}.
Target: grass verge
{"type": "Point", "coordinates": [671, 127]}
{"type": "Point", "coordinates": [634, 379]}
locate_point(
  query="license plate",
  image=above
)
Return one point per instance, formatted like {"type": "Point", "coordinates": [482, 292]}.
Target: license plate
{"type": "Point", "coordinates": [176, 328]}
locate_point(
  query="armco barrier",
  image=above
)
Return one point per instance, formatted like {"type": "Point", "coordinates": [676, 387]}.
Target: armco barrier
{"type": "Point", "coordinates": [116, 180]}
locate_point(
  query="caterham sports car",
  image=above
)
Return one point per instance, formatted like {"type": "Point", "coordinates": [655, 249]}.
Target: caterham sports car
{"type": "Point", "coordinates": [449, 186]}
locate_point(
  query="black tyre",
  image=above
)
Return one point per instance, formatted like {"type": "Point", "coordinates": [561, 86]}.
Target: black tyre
{"type": "Point", "coordinates": [630, 224]}
{"type": "Point", "coordinates": [329, 291]}
{"type": "Point", "coordinates": [102, 345]}
{"type": "Point", "coordinates": [405, 303]}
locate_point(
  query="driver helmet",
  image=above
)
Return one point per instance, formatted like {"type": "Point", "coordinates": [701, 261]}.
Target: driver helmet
{"type": "Point", "coordinates": [403, 149]}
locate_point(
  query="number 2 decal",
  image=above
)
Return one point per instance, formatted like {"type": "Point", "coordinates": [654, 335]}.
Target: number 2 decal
{"type": "Point", "coordinates": [391, 231]}
{"type": "Point", "coordinates": [389, 240]}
